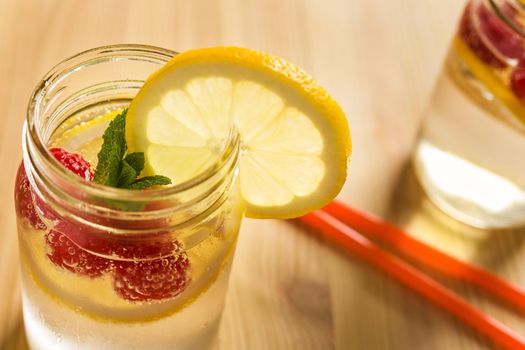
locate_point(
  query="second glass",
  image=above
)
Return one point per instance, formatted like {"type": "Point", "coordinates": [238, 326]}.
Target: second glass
{"type": "Point", "coordinates": [470, 158]}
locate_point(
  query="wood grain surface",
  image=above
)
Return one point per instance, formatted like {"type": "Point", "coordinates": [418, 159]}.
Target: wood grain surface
{"type": "Point", "coordinates": [288, 290]}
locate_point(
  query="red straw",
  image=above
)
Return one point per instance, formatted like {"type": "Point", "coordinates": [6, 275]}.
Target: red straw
{"type": "Point", "coordinates": [427, 255]}
{"type": "Point", "coordinates": [337, 232]}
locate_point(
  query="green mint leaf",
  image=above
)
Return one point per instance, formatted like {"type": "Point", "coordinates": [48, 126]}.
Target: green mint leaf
{"type": "Point", "coordinates": [113, 149]}
{"type": "Point", "coordinates": [127, 175]}
{"type": "Point", "coordinates": [126, 205]}
{"type": "Point", "coordinates": [149, 181]}
{"type": "Point", "coordinates": [136, 160]}
{"type": "Point", "coordinates": [115, 167]}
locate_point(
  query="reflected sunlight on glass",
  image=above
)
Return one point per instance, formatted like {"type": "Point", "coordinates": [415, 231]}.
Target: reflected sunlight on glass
{"type": "Point", "coordinates": [466, 183]}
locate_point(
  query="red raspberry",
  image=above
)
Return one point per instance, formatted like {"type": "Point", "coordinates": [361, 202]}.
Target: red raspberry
{"type": "Point", "coordinates": [23, 200]}
{"type": "Point", "coordinates": [64, 252]}
{"type": "Point", "coordinates": [154, 271]}
{"type": "Point", "coordinates": [499, 34]}
{"type": "Point", "coordinates": [517, 80]}
{"type": "Point", "coordinates": [68, 255]}
{"type": "Point", "coordinates": [74, 162]}
{"type": "Point", "coordinates": [152, 277]}
{"type": "Point", "coordinates": [26, 198]}
{"type": "Point", "coordinates": [471, 37]}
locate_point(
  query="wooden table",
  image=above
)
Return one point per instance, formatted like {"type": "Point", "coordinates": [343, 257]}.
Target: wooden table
{"type": "Point", "coordinates": [288, 289]}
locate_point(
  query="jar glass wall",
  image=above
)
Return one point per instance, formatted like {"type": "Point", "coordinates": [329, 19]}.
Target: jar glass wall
{"type": "Point", "coordinates": [111, 268]}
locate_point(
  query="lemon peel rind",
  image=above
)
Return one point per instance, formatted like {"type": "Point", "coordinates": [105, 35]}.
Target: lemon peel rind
{"type": "Point", "coordinates": [286, 74]}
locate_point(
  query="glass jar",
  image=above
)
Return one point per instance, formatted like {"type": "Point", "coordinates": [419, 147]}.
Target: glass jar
{"type": "Point", "coordinates": [108, 268]}
{"type": "Point", "coordinates": [470, 154]}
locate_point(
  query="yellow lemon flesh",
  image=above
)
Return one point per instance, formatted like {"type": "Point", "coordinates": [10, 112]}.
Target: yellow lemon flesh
{"type": "Point", "coordinates": [295, 140]}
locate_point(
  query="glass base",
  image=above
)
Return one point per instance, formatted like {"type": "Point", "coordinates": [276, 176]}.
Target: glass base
{"type": "Point", "coordinates": [468, 192]}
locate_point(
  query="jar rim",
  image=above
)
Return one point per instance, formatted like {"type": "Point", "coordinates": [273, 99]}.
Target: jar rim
{"type": "Point", "coordinates": [33, 138]}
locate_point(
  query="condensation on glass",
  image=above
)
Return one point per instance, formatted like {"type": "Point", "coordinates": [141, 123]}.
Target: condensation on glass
{"type": "Point", "coordinates": [106, 268]}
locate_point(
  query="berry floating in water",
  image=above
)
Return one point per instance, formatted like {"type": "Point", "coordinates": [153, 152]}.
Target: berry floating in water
{"type": "Point", "coordinates": [517, 80]}
{"type": "Point", "coordinates": [156, 276]}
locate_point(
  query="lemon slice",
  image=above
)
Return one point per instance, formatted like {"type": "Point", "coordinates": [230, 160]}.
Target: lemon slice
{"type": "Point", "coordinates": [295, 140]}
